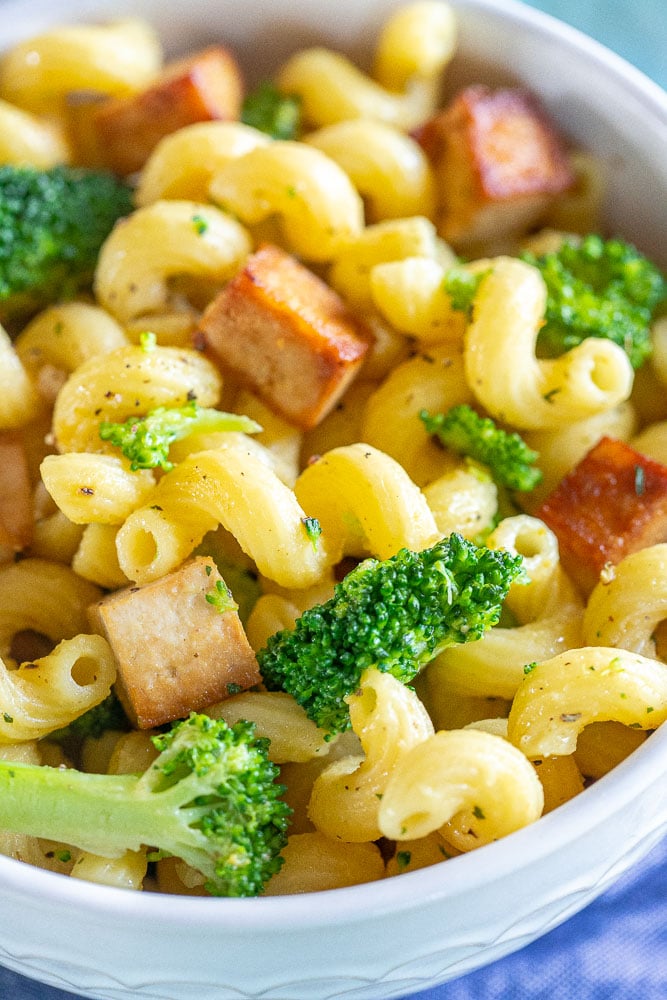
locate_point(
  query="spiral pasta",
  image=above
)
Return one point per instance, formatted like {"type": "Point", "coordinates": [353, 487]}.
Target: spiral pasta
{"type": "Point", "coordinates": [221, 486]}
{"type": "Point", "coordinates": [317, 204]}
{"type": "Point", "coordinates": [183, 164]}
{"type": "Point", "coordinates": [389, 719]}
{"type": "Point", "coordinates": [47, 694]}
{"type": "Point", "coordinates": [562, 695]}
{"type": "Point", "coordinates": [413, 49]}
{"type": "Point", "coordinates": [117, 58]}
{"type": "Point", "coordinates": [510, 381]}
{"type": "Point", "coordinates": [388, 168]}
{"type": "Point", "coordinates": [128, 382]}
{"type": "Point", "coordinates": [27, 140]}
{"type": "Point", "coordinates": [157, 244]}
{"type": "Point", "coordinates": [461, 781]}
{"type": "Point", "coordinates": [365, 503]}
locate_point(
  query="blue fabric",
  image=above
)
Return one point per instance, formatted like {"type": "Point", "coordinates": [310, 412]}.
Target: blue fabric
{"type": "Point", "coordinates": [615, 949]}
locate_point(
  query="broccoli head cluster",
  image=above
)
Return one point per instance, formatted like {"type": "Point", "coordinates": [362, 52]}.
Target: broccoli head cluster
{"type": "Point", "coordinates": [396, 615]}
{"type": "Point", "coordinates": [52, 225]}
{"type": "Point", "coordinates": [599, 288]}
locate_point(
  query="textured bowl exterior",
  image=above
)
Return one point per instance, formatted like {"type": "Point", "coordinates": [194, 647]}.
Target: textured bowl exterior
{"type": "Point", "coordinates": [391, 938]}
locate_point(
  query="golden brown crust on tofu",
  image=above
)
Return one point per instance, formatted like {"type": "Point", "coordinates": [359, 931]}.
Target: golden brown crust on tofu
{"type": "Point", "coordinates": [613, 503]}
{"type": "Point", "coordinates": [16, 506]}
{"type": "Point", "coordinates": [175, 651]}
{"type": "Point", "coordinates": [286, 335]}
{"type": "Point", "coordinates": [499, 162]}
{"type": "Point", "coordinates": [121, 133]}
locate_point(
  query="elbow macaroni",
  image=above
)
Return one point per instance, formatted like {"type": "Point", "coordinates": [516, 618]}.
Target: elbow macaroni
{"type": "Point", "coordinates": [414, 48]}
{"type": "Point", "coordinates": [510, 381]}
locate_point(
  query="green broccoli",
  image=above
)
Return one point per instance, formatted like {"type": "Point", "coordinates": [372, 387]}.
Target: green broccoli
{"type": "Point", "coordinates": [270, 111]}
{"type": "Point", "coordinates": [461, 286]}
{"type": "Point", "coordinates": [396, 615]}
{"type": "Point", "coordinates": [146, 440]}
{"type": "Point", "coordinates": [598, 288]}
{"type": "Point", "coordinates": [52, 225]}
{"type": "Point", "coordinates": [508, 457]}
{"type": "Point", "coordinates": [209, 798]}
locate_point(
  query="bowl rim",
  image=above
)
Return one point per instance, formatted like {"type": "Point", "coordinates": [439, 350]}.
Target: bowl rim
{"type": "Point", "coordinates": [643, 768]}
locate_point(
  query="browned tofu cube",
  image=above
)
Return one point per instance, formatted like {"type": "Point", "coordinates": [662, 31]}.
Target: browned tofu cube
{"type": "Point", "coordinates": [176, 651]}
{"type": "Point", "coordinates": [121, 133]}
{"type": "Point", "coordinates": [613, 503]}
{"type": "Point", "coordinates": [16, 507]}
{"type": "Point", "coordinates": [499, 163]}
{"type": "Point", "coordinates": [286, 335]}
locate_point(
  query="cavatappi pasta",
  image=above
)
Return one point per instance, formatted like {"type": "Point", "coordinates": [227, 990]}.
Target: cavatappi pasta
{"type": "Point", "coordinates": [494, 733]}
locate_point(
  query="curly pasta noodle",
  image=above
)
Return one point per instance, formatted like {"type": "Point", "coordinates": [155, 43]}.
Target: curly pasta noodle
{"type": "Point", "coordinates": [411, 295]}
{"type": "Point", "coordinates": [464, 500]}
{"type": "Point", "coordinates": [114, 59]}
{"type": "Point", "coordinates": [95, 489]}
{"type": "Point", "coordinates": [183, 164]}
{"type": "Point", "coordinates": [155, 245]}
{"type": "Point", "coordinates": [26, 140]}
{"type": "Point", "coordinates": [560, 777]}
{"type": "Point", "coordinates": [365, 503]}
{"type": "Point", "coordinates": [383, 242]}
{"type": "Point", "coordinates": [389, 169]}
{"type": "Point", "coordinates": [277, 717]}
{"type": "Point", "coordinates": [432, 380]}
{"type": "Point", "coordinates": [461, 781]}
{"type": "Point", "coordinates": [19, 399]}
{"type": "Point", "coordinates": [43, 597]}
{"type": "Point", "coordinates": [96, 558]}
{"type": "Point", "coordinates": [389, 720]}
{"type": "Point", "coordinates": [562, 695]}
{"type": "Point", "coordinates": [506, 376]}
{"type": "Point", "coordinates": [414, 47]}
{"type": "Point", "coordinates": [66, 335]}
{"type": "Point", "coordinates": [625, 608]}
{"type": "Point", "coordinates": [222, 486]}
{"type": "Point", "coordinates": [129, 382]}
{"type": "Point", "coordinates": [315, 862]}
{"type": "Point", "coordinates": [41, 696]}
{"type": "Point", "coordinates": [317, 204]}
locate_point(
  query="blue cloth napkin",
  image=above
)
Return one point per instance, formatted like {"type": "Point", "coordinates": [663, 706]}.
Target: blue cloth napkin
{"type": "Point", "coordinates": [615, 949]}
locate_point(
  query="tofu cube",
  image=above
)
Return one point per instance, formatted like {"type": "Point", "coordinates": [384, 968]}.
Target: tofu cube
{"type": "Point", "coordinates": [176, 652]}
{"type": "Point", "coordinates": [499, 163]}
{"type": "Point", "coordinates": [286, 335]}
{"type": "Point", "coordinates": [613, 503]}
{"type": "Point", "coordinates": [121, 133]}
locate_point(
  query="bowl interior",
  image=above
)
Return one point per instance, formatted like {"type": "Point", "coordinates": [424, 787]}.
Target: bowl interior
{"type": "Point", "coordinates": [601, 104]}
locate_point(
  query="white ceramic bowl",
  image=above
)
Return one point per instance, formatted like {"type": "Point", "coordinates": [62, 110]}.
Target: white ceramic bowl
{"type": "Point", "coordinates": [390, 938]}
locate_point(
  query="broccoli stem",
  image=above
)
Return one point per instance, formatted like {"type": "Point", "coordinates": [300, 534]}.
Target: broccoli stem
{"type": "Point", "coordinates": [209, 798]}
{"type": "Point", "coordinates": [101, 813]}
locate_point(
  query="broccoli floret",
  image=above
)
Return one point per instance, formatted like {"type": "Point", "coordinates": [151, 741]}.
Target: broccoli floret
{"type": "Point", "coordinates": [396, 615]}
{"type": "Point", "coordinates": [209, 798]}
{"type": "Point", "coordinates": [146, 440]}
{"type": "Point", "coordinates": [461, 286]}
{"type": "Point", "coordinates": [52, 225]}
{"type": "Point", "coordinates": [598, 288]}
{"type": "Point", "coordinates": [508, 457]}
{"type": "Point", "coordinates": [270, 111]}
{"type": "Point", "coordinates": [109, 714]}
